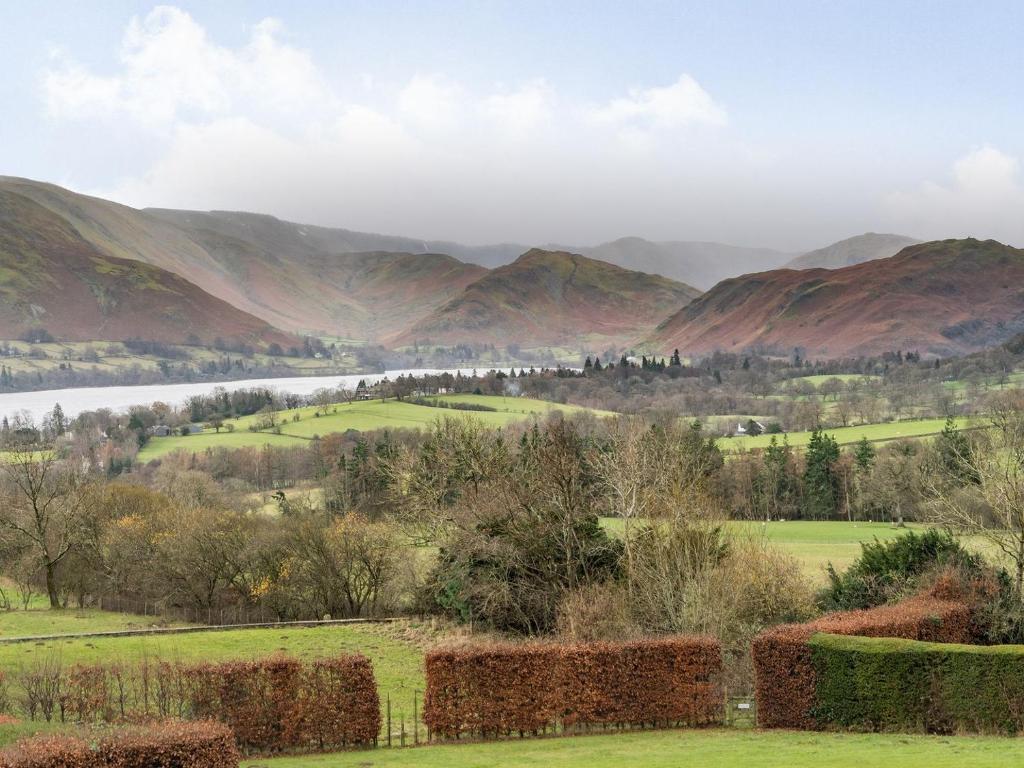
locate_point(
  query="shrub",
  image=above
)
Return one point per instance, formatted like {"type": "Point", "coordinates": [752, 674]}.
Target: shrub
{"type": "Point", "coordinates": [155, 745]}
{"type": "Point", "coordinates": [507, 689]}
{"type": "Point", "coordinates": [887, 570]}
{"type": "Point", "coordinates": [784, 671]}
{"type": "Point", "coordinates": [903, 685]}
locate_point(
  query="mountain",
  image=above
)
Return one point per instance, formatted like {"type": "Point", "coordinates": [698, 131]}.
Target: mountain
{"type": "Point", "coordinates": [944, 297]}
{"type": "Point", "coordinates": [853, 250]}
{"type": "Point", "coordinates": [53, 278]}
{"type": "Point", "coordinates": [552, 298]}
{"type": "Point", "coordinates": [698, 264]}
{"type": "Point", "coordinates": [298, 278]}
{"type": "Point", "coordinates": [308, 278]}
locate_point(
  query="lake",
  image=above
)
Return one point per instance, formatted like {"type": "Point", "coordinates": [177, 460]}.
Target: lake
{"type": "Point", "coordinates": [74, 401]}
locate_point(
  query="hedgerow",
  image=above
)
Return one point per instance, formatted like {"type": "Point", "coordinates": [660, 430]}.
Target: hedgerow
{"type": "Point", "coordinates": [272, 704]}
{"type": "Point", "coordinates": [501, 690]}
{"type": "Point", "coordinates": [786, 680]}
{"type": "Point", "coordinates": [903, 685]}
{"type": "Point", "coordinates": [153, 745]}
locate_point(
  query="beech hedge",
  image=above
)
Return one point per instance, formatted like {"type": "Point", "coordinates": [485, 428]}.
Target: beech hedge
{"type": "Point", "coordinates": [786, 678]}
{"type": "Point", "coordinates": [153, 745]}
{"type": "Point", "coordinates": [500, 690]}
{"type": "Point", "coordinates": [888, 684]}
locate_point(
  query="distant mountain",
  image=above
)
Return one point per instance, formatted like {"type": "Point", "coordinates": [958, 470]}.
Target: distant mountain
{"type": "Point", "coordinates": [853, 250]}
{"type": "Point", "coordinates": [52, 278]}
{"type": "Point", "coordinates": [698, 264]}
{"type": "Point", "coordinates": [552, 298]}
{"type": "Point", "coordinates": [307, 278]}
{"type": "Point", "coordinates": [943, 297]}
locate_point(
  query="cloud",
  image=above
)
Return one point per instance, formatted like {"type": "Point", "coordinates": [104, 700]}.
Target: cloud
{"type": "Point", "coordinates": [678, 105]}
{"type": "Point", "coordinates": [984, 199]}
{"type": "Point", "coordinates": [169, 69]}
{"type": "Point", "coordinates": [258, 126]}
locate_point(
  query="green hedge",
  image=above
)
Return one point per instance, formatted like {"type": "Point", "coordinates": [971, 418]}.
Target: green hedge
{"type": "Point", "coordinates": [886, 684]}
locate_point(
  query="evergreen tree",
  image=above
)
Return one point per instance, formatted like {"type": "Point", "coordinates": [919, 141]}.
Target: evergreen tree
{"type": "Point", "coordinates": [675, 359]}
{"type": "Point", "coordinates": [597, 364]}
{"type": "Point", "coordinates": [821, 486]}
{"type": "Point", "coordinates": [864, 455]}
{"type": "Point", "coordinates": [956, 455]}
{"type": "Point", "coordinates": [588, 364]}
{"type": "Point", "coordinates": [775, 485]}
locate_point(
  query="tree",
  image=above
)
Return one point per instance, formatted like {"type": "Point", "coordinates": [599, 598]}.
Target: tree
{"type": "Point", "coordinates": [44, 506]}
{"type": "Point", "coordinates": [993, 508]}
{"type": "Point", "coordinates": [820, 481]}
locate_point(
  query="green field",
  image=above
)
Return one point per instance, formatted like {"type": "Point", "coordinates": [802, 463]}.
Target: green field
{"type": "Point", "coordinates": [819, 379]}
{"type": "Point", "coordinates": [301, 424]}
{"type": "Point", "coordinates": [894, 430]}
{"type": "Point", "coordinates": [718, 748]}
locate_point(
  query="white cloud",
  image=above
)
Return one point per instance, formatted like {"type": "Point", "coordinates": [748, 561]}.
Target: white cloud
{"type": "Point", "coordinates": [984, 199]}
{"type": "Point", "coordinates": [169, 69]}
{"type": "Point", "coordinates": [678, 105]}
{"type": "Point", "coordinates": [520, 111]}
{"type": "Point", "coordinates": [431, 102]}
{"type": "Point", "coordinates": [258, 126]}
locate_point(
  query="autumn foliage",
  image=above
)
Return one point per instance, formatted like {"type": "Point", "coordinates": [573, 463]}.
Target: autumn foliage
{"type": "Point", "coordinates": [786, 685]}
{"type": "Point", "coordinates": [500, 690]}
{"type": "Point", "coordinates": [154, 745]}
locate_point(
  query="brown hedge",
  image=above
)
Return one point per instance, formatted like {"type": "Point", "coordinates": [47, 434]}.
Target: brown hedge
{"type": "Point", "coordinates": [500, 690]}
{"type": "Point", "coordinates": [155, 745]}
{"type": "Point", "coordinates": [784, 673]}
{"type": "Point", "coordinates": [273, 704]}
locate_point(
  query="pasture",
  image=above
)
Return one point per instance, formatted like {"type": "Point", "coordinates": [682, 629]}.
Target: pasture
{"type": "Point", "coordinates": [299, 425]}
{"type": "Point", "coordinates": [875, 433]}
{"type": "Point", "coordinates": [688, 749]}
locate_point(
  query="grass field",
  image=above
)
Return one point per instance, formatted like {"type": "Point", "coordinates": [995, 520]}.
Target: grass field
{"type": "Point", "coordinates": [813, 543]}
{"type": "Point", "coordinates": [895, 430]}
{"type": "Point", "coordinates": [397, 663]}
{"type": "Point", "coordinates": [717, 748]}
{"type": "Point", "coordinates": [360, 416]}
{"type": "Point", "coordinates": [818, 379]}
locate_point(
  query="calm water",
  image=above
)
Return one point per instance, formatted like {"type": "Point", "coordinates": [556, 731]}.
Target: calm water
{"type": "Point", "coordinates": [74, 401]}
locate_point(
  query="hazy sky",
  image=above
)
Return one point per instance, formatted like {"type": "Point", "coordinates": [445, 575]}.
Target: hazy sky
{"type": "Point", "coordinates": [786, 124]}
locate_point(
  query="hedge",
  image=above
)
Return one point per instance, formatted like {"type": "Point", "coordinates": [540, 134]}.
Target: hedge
{"type": "Point", "coordinates": [903, 685]}
{"type": "Point", "coordinates": [499, 690]}
{"type": "Point", "coordinates": [272, 704]}
{"type": "Point", "coordinates": [785, 678]}
{"type": "Point", "coordinates": [155, 745]}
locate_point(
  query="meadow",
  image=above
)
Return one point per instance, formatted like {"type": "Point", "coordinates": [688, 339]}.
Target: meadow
{"type": "Point", "coordinates": [298, 425]}
{"type": "Point", "coordinates": [686, 749]}
{"type": "Point", "coordinates": [874, 433]}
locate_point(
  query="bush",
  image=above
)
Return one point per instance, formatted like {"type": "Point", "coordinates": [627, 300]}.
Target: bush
{"type": "Point", "coordinates": [155, 745]}
{"type": "Point", "coordinates": [783, 666]}
{"type": "Point", "coordinates": [888, 570]}
{"type": "Point", "coordinates": [903, 685]}
{"type": "Point", "coordinates": [500, 690]}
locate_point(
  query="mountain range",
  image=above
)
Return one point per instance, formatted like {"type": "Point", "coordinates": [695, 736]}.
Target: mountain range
{"type": "Point", "coordinates": [84, 268]}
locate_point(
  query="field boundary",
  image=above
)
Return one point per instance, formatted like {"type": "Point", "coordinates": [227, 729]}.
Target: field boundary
{"type": "Point", "coordinates": [196, 629]}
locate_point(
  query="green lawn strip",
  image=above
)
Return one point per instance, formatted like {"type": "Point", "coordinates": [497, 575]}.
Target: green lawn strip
{"type": "Point", "coordinates": [895, 430]}
{"type": "Point", "coordinates": [717, 748]}
{"type": "Point", "coordinates": [361, 416]}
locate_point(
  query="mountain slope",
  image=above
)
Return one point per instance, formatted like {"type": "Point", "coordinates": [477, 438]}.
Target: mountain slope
{"type": "Point", "coordinates": [552, 298]}
{"type": "Point", "coordinates": [306, 278]}
{"type": "Point", "coordinates": [942, 297]}
{"type": "Point", "coordinates": [853, 250]}
{"type": "Point", "coordinates": [698, 264]}
{"type": "Point", "coordinates": [52, 278]}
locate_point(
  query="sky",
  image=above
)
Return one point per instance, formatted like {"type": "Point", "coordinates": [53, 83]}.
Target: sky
{"type": "Point", "coordinates": [779, 124]}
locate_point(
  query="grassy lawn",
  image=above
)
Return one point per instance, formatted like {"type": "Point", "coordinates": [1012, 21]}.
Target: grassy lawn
{"type": "Point", "coordinates": [848, 435]}
{"type": "Point", "coordinates": [693, 748]}
{"type": "Point", "coordinates": [360, 416]}
{"type": "Point", "coordinates": [818, 379]}
{"type": "Point", "coordinates": [397, 663]}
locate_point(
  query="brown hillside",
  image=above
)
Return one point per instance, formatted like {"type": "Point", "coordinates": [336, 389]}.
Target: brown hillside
{"type": "Point", "coordinates": [941, 298]}
{"type": "Point", "coordinates": [552, 298]}
{"type": "Point", "coordinates": [52, 278]}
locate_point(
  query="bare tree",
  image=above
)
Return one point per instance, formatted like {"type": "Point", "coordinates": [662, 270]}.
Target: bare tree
{"type": "Point", "coordinates": [43, 506]}
{"type": "Point", "coordinates": [993, 507]}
